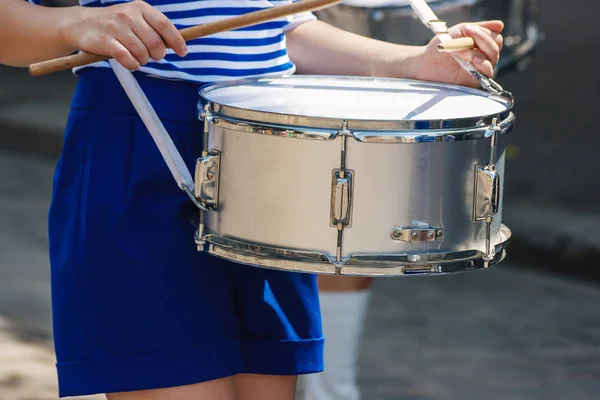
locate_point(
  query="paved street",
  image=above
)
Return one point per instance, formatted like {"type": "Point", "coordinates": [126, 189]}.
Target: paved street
{"type": "Point", "coordinates": [501, 334]}
{"type": "Point", "coordinates": [497, 334]}
{"type": "Point", "coordinates": [24, 275]}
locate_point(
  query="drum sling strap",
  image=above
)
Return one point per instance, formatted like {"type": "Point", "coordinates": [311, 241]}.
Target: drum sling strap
{"type": "Point", "coordinates": [161, 137]}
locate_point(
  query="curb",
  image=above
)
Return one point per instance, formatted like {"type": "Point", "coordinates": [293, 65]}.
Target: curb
{"type": "Point", "coordinates": [553, 240]}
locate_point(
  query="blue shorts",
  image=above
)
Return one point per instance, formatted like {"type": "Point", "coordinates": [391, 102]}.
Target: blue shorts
{"type": "Point", "coordinates": [135, 305]}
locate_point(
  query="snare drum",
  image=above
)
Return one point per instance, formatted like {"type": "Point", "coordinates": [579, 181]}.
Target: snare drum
{"type": "Point", "coordinates": [353, 176]}
{"type": "Point", "coordinates": [394, 21]}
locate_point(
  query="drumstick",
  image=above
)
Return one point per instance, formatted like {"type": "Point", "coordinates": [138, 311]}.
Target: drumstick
{"type": "Point", "coordinates": [463, 43]}
{"type": "Point", "coordinates": [241, 21]}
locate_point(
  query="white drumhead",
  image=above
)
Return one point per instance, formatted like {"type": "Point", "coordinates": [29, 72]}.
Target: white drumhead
{"type": "Point", "coordinates": [357, 98]}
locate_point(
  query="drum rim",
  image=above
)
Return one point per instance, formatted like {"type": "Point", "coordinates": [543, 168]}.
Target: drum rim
{"type": "Point", "coordinates": [366, 136]}
{"type": "Point", "coordinates": [356, 127]}
{"type": "Point", "coordinates": [359, 265]}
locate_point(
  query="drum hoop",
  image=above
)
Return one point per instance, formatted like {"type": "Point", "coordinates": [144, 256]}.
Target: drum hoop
{"type": "Point", "coordinates": [365, 136]}
{"type": "Point", "coordinates": [306, 123]}
{"type": "Point", "coordinates": [359, 264]}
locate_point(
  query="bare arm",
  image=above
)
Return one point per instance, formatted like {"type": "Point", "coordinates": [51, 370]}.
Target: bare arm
{"type": "Point", "coordinates": [131, 33]}
{"type": "Point", "coordinates": [29, 33]}
{"type": "Point", "coordinates": [319, 48]}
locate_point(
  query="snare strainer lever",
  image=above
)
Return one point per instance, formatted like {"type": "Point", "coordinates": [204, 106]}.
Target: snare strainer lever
{"type": "Point", "coordinates": [163, 141]}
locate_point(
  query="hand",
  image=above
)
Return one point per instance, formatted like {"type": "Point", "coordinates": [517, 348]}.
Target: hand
{"type": "Point", "coordinates": [433, 65]}
{"type": "Point", "coordinates": [131, 33]}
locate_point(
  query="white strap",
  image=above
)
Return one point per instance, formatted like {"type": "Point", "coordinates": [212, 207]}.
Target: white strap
{"type": "Point", "coordinates": [162, 139]}
{"type": "Point", "coordinates": [424, 12]}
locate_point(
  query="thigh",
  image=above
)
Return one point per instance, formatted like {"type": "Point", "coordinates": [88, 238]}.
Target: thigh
{"type": "Point", "coordinates": [265, 387]}
{"type": "Point", "coordinates": [218, 389]}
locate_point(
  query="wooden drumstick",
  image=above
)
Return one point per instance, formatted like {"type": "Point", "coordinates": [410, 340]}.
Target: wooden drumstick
{"type": "Point", "coordinates": [241, 21]}
{"type": "Point", "coordinates": [463, 43]}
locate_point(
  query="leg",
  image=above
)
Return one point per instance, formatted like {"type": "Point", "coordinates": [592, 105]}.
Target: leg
{"type": "Point", "coordinates": [281, 334]}
{"type": "Point", "coordinates": [329, 283]}
{"type": "Point", "coordinates": [343, 305]}
{"type": "Point", "coordinates": [240, 387]}
{"type": "Point", "coordinates": [218, 389]}
{"type": "Point", "coordinates": [265, 387]}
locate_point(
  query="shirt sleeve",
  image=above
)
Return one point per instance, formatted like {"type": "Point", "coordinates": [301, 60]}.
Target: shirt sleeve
{"type": "Point", "coordinates": [298, 19]}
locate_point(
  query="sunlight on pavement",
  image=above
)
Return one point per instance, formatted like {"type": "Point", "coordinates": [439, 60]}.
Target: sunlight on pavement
{"type": "Point", "coordinates": [27, 370]}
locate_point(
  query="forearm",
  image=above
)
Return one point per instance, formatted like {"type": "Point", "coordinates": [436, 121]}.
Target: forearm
{"type": "Point", "coordinates": [319, 48]}
{"type": "Point", "coordinates": [30, 33]}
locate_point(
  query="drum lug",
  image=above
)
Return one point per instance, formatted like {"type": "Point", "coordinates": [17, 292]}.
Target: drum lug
{"type": "Point", "coordinates": [207, 179]}
{"type": "Point", "coordinates": [341, 198]}
{"type": "Point", "coordinates": [417, 234]}
{"type": "Point", "coordinates": [486, 198]}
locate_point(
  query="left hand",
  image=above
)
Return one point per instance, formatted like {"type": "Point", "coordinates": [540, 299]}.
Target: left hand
{"type": "Point", "coordinates": [433, 65]}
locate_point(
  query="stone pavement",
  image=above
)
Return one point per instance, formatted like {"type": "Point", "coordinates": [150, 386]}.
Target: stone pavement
{"type": "Point", "coordinates": [500, 334]}
{"type": "Point", "coordinates": [504, 333]}
{"type": "Point", "coordinates": [27, 368]}
{"type": "Point", "coordinates": [25, 187]}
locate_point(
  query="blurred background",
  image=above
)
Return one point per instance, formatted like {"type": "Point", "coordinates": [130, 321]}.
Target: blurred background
{"type": "Point", "coordinates": [526, 329]}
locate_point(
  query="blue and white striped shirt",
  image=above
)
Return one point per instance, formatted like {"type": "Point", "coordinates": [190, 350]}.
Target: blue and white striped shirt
{"type": "Point", "coordinates": [253, 51]}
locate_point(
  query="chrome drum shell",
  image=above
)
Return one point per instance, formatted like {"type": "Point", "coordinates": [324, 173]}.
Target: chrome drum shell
{"type": "Point", "coordinates": [416, 196]}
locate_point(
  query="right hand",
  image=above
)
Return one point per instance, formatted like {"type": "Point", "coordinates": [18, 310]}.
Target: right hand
{"type": "Point", "coordinates": [131, 33]}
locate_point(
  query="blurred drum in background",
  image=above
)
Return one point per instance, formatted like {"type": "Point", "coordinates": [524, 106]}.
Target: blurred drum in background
{"type": "Point", "coordinates": [395, 21]}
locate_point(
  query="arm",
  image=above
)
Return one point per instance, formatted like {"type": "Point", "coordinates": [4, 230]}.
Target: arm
{"type": "Point", "coordinates": [319, 48]}
{"type": "Point", "coordinates": [29, 33]}
{"type": "Point", "coordinates": [131, 33]}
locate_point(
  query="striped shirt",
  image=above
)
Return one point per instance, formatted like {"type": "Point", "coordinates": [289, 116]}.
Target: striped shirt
{"type": "Point", "coordinates": [258, 50]}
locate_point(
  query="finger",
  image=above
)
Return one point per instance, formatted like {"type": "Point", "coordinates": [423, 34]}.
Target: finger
{"type": "Point", "coordinates": [458, 31]}
{"type": "Point", "coordinates": [165, 28]}
{"type": "Point", "coordinates": [155, 45]}
{"type": "Point", "coordinates": [484, 42]}
{"type": "Point", "coordinates": [120, 53]}
{"type": "Point", "coordinates": [479, 61]}
{"type": "Point", "coordinates": [496, 36]}
{"type": "Point", "coordinates": [483, 65]}
{"type": "Point", "coordinates": [134, 44]}
{"type": "Point", "coordinates": [494, 26]}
